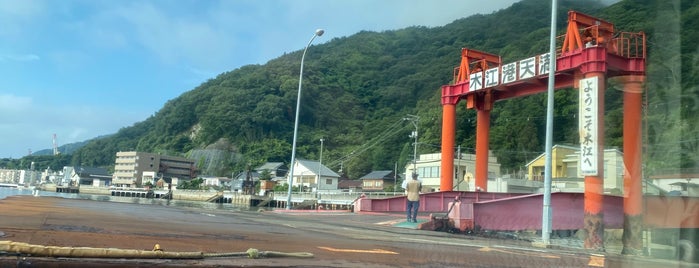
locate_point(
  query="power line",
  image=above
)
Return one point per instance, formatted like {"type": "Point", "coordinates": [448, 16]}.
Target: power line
{"type": "Point", "coordinates": [392, 130]}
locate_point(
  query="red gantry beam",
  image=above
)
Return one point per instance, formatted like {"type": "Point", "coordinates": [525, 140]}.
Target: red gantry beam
{"type": "Point", "coordinates": [590, 48]}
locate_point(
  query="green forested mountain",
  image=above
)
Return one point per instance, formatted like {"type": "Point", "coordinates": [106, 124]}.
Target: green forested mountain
{"type": "Point", "coordinates": [357, 90]}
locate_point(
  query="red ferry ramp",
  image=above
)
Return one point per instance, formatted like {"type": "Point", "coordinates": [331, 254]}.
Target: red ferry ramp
{"type": "Point", "coordinates": [437, 202]}
{"type": "Point", "coordinates": [517, 212]}
{"type": "Point", "coordinates": [525, 213]}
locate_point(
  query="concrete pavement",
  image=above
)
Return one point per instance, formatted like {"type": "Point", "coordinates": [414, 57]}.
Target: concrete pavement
{"type": "Point", "coordinates": [335, 238]}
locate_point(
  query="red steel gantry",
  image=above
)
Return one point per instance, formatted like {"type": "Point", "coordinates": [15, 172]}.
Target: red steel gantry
{"type": "Point", "coordinates": [590, 48]}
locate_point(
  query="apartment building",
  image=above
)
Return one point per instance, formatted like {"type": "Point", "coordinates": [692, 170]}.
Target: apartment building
{"type": "Point", "coordinates": [134, 169]}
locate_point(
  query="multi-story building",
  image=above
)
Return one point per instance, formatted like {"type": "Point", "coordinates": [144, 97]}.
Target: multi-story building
{"type": "Point", "coordinates": [10, 176]}
{"type": "Point", "coordinates": [137, 168]}
{"type": "Point", "coordinates": [18, 176]}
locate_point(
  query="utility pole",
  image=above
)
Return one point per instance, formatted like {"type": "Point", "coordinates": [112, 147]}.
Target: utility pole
{"type": "Point", "coordinates": [395, 177]}
{"type": "Point", "coordinates": [320, 165]}
{"type": "Point", "coordinates": [414, 119]}
{"type": "Point", "coordinates": [458, 168]}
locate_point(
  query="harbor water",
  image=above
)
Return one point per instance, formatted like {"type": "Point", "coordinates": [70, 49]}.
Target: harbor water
{"type": "Point", "coordinates": [9, 191]}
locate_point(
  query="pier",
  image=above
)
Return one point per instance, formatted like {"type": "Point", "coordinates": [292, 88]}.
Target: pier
{"type": "Point", "coordinates": [9, 185]}
{"type": "Point", "coordinates": [132, 192]}
{"type": "Point", "coordinates": [330, 200]}
{"type": "Point", "coordinates": [67, 189]}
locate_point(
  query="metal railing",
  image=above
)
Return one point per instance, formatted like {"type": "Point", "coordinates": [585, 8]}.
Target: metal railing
{"type": "Point", "coordinates": [337, 196]}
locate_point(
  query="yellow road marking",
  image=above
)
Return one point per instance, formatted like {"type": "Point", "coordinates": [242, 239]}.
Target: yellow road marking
{"type": "Point", "coordinates": [392, 222]}
{"type": "Point", "coordinates": [596, 260]}
{"type": "Point", "coordinates": [374, 251]}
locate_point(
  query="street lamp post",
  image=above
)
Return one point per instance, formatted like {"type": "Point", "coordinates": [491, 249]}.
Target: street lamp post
{"type": "Point", "coordinates": [547, 217]}
{"type": "Point", "coordinates": [318, 32]}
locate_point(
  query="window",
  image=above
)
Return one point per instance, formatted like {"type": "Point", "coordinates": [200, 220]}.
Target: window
{"type": "Point", "coordinates": [428, 172]}
{"type": "Point", "coordinates": [571, 170]}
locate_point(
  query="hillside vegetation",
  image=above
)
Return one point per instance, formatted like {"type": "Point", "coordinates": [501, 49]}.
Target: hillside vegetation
{"type": "Point", "coordinates": [358, 89]}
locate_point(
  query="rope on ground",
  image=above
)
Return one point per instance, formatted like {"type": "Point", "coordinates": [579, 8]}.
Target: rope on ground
{"type": "Point", "coordinates": [8, 248]}
{"type": "Point", "coordinates": [253, 253]}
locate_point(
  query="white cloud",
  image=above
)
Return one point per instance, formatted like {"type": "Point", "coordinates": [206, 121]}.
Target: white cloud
{"type": "Point", "coordinates": [70, 123]}
{"type": "Point", "coordinates": [15, 15]}
{"type": "Point", "coordinates": [164, 41]}
{"type": "Point", "coordinates": [10, 104]}
{"type": "Point", "coordinates": [227, 34]}
{"type": "Point", "coordinates": [24, 8]}
{"type": "Point", "coordinates": [19, 57]}
{"type": "Point", "coordinates": [174, 39]}
{"type": "Point", "coordinates": [68, 60]}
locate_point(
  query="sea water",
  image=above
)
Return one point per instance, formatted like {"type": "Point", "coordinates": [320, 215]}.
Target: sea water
{"type": "Point", "coordinates": [7, 191]}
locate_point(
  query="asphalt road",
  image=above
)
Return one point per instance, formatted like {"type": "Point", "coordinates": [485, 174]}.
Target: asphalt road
{"type": "Point", "coordinates": [336, 239]}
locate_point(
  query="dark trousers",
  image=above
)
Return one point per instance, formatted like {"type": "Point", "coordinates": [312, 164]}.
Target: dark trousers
{"type": "Point", "coordinates": [411, 210]}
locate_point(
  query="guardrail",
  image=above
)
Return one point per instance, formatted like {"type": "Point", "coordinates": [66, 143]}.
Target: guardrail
{"type": "Point", "coordinates": [129, 189]}
{"type": "Point", "coordinates": [340, 198]}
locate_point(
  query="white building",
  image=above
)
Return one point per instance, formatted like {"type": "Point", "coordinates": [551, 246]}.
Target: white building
{"type": "Point", "coordinates": [138, 168]}
{"type": "Point", "coordinates": [429, 170]}
{"type": "Point", "coordinates": [313, 176]}
{"type": "Point", "coordinates": [216, 181]}
{"type": "Point", "coordinates": [678, 184]}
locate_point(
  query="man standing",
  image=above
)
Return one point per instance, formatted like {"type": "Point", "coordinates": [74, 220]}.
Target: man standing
{"type": "Point", "coordinates": [412, 190]}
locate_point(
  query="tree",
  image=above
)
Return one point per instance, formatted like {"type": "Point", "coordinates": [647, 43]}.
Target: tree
{"type": "Point", "coordinates": [194, 184]}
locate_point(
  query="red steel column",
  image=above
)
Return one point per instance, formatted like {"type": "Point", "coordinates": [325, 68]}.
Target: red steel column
{"type": "Point", "coordinates": [633, 191]}
{"type": "Point", "coordinates": [446, 182]}
{"type": "Point", "coordinates": [482, 140]}
{"type": "Point", "coordinates": [594, 185]}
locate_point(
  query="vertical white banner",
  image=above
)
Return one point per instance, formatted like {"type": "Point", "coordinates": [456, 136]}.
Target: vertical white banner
{"type": "Point", "coordinates": [587, 126]}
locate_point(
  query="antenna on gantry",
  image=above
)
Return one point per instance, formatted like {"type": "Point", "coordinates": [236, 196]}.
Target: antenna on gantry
{"type": "Point", "coordinates": [55, 145]}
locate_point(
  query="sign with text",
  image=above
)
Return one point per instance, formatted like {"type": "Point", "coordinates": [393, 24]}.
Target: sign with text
{"type": "Point", "coordinates": [587, 125]}
{"type": "Point", "coordinates": [509, 73]}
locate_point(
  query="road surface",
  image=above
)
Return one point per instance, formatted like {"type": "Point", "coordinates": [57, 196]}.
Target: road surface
{"type": "Point", "coordinates": [336, 239]}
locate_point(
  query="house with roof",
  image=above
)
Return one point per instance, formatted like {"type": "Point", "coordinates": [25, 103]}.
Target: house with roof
{"type": "Point", "coordinates": [349, 185]}
{"type": "Point", "coordinates": [313, 176]}
{"type": "Point", "coordinates": [685, 184]}
{"type": "Point", "coordinates": [216, 181]}
{"type": "Point", "coordinates": [92, 176]}
{"type": "Point", "coordinates": [561, 166]}
{"type": "Point", "coordinates": [275, 169]}
{"type": "Point", "coordinates": [379, 180]}
{"type": "Point", "coordinates": [238, 181]}
{"type": "Point", "coordinates": [565, 169]}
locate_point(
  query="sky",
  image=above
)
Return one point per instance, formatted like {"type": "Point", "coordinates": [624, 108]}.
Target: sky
{"type": "Point", "coordinates": [80, 69]}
